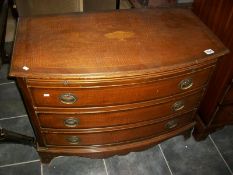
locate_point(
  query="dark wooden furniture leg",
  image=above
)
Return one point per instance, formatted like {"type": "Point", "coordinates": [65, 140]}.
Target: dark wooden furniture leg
{"type": "Point", "coordinates": [14, 11]}
{"type": "Point", "coordinates": [3, 20]}
{"type": "Point", "coordinates": [9, 136]}
{"type": "Point", "coordinates": [118, 4]}
{"type": "Point", "coordinates": [145, 3]}
{"type": "Point", "coordinates": [46, 158]}
{"type": "Point", "coordinates": [5, 5]}
{"type": "Point", "coordinates": [187, 134]}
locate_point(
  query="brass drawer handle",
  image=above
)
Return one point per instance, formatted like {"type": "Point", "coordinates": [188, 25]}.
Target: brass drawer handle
{"type": "Point", "coordinates": [178, 105]}
{"type": "Point", "coordinates": [186, 83]}
{"type": "Point", "coordinates": [68, 98]}
{"type": "Point", "coordinates": [71, 122]}
{"type": "Point", "coordinates": [171, 124]}
{"type": "Point", "coordinates": [73, 140]}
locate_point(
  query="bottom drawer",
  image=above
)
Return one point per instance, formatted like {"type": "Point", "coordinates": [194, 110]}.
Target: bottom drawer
{"type": "Point", "coordinates": [224, 115]}
{"type": "Point", "coordinates": [111, 137]}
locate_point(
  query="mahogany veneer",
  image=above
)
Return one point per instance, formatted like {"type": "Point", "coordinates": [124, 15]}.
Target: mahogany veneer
{"type": "Point", "coordinates": [216, 109]}
{"type": "Point", "coordinates": [108, 83]}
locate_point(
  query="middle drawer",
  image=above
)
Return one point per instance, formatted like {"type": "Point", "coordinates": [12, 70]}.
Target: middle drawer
{"type": "Point", "coordinates": [98, 119]}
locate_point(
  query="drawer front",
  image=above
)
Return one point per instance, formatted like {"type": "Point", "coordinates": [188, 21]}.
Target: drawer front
{"type": "Point", "coordinates": [118, 136]}
{"type": "Point", "coordinates": [103, 119]}
{"type": "Point", "coordinates": [114, 95]}
{"type": "Point", "coordinates": [228, 99]}
{"type": "Point", "coordinates": [224, 115]}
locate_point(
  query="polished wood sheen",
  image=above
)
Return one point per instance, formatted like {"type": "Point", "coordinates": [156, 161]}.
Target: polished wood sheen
{"type": "Point", "coordinates": [149, 41]}
{"type": "Point", "coordinates": [114, 94]}
{"type": "Point", "coordinates": [88, 119]}
{"type": "Point", "coordinates": [117, 135]}
{"type": "Point", "coordinates": [107, 83]}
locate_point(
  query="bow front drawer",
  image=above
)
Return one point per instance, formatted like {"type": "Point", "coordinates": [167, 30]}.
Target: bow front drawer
{"type": "Point", "coordinates": [115, 136]}
{"type": "Point", "coordinates": [96, 119]}
{"type": "Point", "coordinates": [79, 96]}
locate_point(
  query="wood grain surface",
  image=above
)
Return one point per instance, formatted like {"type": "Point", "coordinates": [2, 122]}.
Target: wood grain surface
{"type": "Point", "coordinates": [107, 83]}
{"type": "Point", "coordinates": [114, 43]}
{"type": "Point", "coordinates": [218, 16]}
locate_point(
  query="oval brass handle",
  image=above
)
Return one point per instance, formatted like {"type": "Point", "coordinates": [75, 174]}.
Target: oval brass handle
{"type": "Point", "coordinates": [171, 124]}
{"type": "Point", "coordinates": [73, 140]}
{"type": "Point", "coordinates": [71, 122]}
{"type": "Point", "coordinates": [178, 105]}
{"type": "Point", "coordinates": [186, 83]}
{"type": "Point", "coordinates": [68, 98]}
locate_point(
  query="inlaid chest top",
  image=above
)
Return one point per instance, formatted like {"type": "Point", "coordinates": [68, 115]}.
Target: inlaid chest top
{"type": "Point", "coordinates": [113, 43]}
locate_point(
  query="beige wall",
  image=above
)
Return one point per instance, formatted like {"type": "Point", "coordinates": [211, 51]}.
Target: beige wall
{"type": "Point", "coordinates": [38, 7]}
{"type": "Point", "coordinates": [98, 5]}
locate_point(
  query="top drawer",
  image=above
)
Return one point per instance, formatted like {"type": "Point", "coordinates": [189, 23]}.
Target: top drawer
{"type": "Point", "coordinates": [52, 96]}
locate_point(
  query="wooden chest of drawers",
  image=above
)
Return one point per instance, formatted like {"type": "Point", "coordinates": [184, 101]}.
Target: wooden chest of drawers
{"type": "Point", "coordinates": [108, 83]}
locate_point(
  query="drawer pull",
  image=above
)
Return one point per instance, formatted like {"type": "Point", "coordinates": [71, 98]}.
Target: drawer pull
{"type": "Point", "coordinates": [71, 122]}
{"type": "Point", "coordinates": [73, 140]}
{"type": "Point", "coordinates": [68, 98]}
{"type": "Point", "coordinates": [171, 124]}
{"type": "Point", "coordinates": [186, 84]}
{"type": "Point", "coordinates": [178, 105]}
